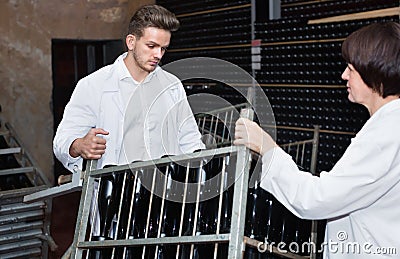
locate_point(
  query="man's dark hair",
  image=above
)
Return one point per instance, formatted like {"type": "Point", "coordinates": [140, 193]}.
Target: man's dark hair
{"type": "Point", "coordinates": [152, 16]}
{"type": "Point", "coordinates": [374, 51]}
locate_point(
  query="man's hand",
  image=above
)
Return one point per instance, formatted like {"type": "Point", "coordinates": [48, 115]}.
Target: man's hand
{"type": "Point", "coordinates": [251, 135]}
{"type": "Point", "coordinates": [90, 146]}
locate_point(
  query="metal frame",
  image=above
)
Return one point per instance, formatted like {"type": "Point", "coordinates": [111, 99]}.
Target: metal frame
{"type": "Point", "coordinates": [24, 228]}
{"type": "Point", "coordinates": [235, 238]}
{"type": "Point", "coordinates": [74, 185]}
{"type": "Point", "coordinates": [300, 150]}
{"type": "Point", "coordinates": [210, 122]}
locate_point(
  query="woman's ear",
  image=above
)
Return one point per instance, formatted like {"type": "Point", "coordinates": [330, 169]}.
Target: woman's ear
{"type": "Point", "coordinates": [130, 41]}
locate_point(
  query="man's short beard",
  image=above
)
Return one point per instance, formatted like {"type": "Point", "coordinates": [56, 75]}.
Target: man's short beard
{"type": "Point", "coordinates": [136, 60]}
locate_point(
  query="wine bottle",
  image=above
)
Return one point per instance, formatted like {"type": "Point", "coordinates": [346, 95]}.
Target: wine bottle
{"type": "Point", "coordinates": [140, 207]}
{"type": "Point", "coordinates": [303, 236]}
{"type": "Point", "coordinates": [252, 253]}
{"type": "Point", "coordinates": [172, 206]}
{"type": "Point", "coordinates": [100, 253]}
{"type": "Point", "coordinates": [227, 200]}
{"type": "Point", "coordinates": [288, 231]}
{"type": "Point", "coordinates": [256, 211]}
{"type": "Point", "coordinates": [114, 206]}
{"type": "Point", "coordinates": [104, 198]}
{"type": "Point", "coordinates": [208, 207]}
{"type": "Point", "coordinates": [155, 210]}
{"type": "Point", "coordinates": [226, 209]}
{"type": "Point", "coordinates": [107, 207]}
{"type": "Point", "coordinates": [189, 217]}
{"type": "Point", "coordinates": [275, 221]}
{"type": "Point", "coordinates": [126, 210]}
{"type": "Point", "coordinates": [256, 221]}
{"type": "Point", "coordinates": [126, 203]}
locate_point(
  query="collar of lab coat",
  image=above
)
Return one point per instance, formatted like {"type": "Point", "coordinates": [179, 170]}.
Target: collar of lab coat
{"type": "Point", "coordinates": [381, 112]}
{"type": "Point", "coordinates": [122, 73]}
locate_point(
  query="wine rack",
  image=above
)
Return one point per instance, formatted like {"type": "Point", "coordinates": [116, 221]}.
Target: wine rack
{"type": "Point", "coordinates": [218, 126]}
{"type": "Point", "coordinates": [24, 227]}
{"type": "Point", "coordinates": [214, 28]}
{"type": "Point", "coordinates": [154, 238]}
{"type": "Point", "coordinates": [301, 63]}
{"type": "Point", "coordinates": [316, 9]}
{"type": "Point", "coordinates": [181, 8]}
{"type": "Point", "coordinates": [160, 235]}
{"type": "Point", "coordinates": [208, 204]}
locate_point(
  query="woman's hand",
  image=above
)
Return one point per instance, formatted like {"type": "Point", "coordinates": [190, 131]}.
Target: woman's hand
{"type": "Point", "coordinates": [251, 135]}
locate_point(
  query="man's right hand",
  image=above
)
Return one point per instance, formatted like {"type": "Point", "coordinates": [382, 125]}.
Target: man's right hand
{"type": "Point", "coordinates": [90, 146]}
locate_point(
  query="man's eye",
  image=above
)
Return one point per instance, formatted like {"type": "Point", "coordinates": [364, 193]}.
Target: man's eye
{"type": "Point", "coordinates": [150, 46]}
{"type": "Point", "coordinates": [164, 49]}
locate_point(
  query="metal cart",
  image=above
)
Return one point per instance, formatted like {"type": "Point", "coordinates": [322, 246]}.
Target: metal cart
{"type": "Point", "coordinates": [235, 168]}
{"type": "Point", "coordinates": [217, 126]}
{"type": "Point", "coordinates": [234, 174]}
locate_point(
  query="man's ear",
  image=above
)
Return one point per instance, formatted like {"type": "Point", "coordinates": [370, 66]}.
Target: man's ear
{"type": "Point", "coordinates": [130, 41]}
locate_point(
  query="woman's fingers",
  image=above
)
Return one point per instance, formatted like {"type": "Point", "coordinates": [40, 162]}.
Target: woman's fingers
{"type": "Point", "coordinates": [251, 135]}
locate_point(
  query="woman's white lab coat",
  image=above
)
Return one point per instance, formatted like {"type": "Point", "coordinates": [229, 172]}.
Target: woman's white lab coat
{"type": "Point", "coordinates": [360, 196]}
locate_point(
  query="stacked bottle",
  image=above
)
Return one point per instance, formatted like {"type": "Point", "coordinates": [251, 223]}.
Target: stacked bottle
{"type": "Point", "coordinates": [268, 221]}
{"type": "Point", "coordinates": [108, 199]}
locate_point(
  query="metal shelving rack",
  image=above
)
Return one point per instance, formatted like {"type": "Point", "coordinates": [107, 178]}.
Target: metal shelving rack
{"type": "Point", "coordinates": [237, 170]}
{"type": "Point", "coordinates": [302, 152]}
{"type": "Point", "coordinates": [240, 173]}
{"type": "Point", "coordinates": [234, 238]}
{"type": "Point", "coordinates": [24, 227]}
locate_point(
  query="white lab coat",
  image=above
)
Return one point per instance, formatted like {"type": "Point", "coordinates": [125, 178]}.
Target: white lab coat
{"type": "Point", "coordinates": [360, 196]}
{"type": "Point", "coordinates": [97, 102]}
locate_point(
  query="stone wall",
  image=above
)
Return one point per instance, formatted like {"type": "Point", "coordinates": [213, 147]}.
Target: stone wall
{"type": "Point", "coordinates": [27, 28]}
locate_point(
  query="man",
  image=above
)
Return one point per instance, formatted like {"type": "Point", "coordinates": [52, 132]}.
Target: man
{"type": "Point", "coordinates": [133, 109]}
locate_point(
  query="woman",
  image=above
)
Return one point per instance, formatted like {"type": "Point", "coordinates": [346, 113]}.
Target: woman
{"type": "Point", "coordinates": [360, 196]}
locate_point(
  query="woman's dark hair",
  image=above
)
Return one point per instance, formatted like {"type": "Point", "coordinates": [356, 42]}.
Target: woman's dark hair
{"type": "Point", "coordinates": [374, 51]}
{"type": "Point", "coordinates": [152, 16]}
